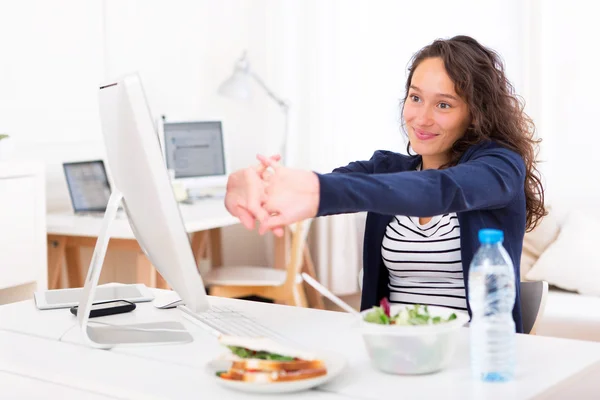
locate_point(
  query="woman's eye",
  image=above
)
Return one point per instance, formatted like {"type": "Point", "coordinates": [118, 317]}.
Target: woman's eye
{"type": "Point", "coordinates": [444, 105]}
{"type": "Point", "coordinates": [415, 98]}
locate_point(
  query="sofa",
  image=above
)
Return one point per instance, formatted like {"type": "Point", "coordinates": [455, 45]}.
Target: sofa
{"type": "Point", "coordinates": [564, 250]}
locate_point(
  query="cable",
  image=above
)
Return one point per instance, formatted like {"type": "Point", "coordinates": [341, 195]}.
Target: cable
{"type": "Point", "coordinates": [65, 332]}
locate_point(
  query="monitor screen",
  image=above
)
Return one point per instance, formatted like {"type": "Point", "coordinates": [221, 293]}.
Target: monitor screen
{"type": "Point", "coordinates": [88, 185]}
{"type": "Point", "coordinates": [194, 149]}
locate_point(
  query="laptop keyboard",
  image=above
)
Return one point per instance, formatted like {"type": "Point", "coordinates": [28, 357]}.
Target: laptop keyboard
{"type": "Point", "coordinates": [220, 320]}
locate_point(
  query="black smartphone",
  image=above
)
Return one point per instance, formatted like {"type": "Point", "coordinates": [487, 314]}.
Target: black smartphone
{"type": "Point", "coordinates": [108, 308]}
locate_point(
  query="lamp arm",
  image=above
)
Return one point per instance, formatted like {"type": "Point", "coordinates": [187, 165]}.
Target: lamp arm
{"type": "Point", "coordinates": [285, 108]}
{"type": "Point", "coordinates": [282, 103]}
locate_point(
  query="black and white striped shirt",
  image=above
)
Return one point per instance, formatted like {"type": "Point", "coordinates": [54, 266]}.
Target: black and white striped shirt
{"type": "Point", "coordinates": [424, 261]}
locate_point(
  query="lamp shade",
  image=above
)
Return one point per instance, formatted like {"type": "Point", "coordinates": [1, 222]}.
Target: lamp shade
{"type": "Point", "coordinates": [237, 86]}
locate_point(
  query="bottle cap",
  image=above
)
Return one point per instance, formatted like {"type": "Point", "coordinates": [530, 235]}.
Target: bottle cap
{"type": "Point", "coordinates": [490, 236]}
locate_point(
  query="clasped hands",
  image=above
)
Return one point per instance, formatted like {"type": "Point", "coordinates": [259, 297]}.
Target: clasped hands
{"type": "Point", "coordinates": [272, 195]}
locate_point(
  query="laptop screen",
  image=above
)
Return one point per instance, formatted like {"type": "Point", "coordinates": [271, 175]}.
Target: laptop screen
{"type": "Point", "coordinates": [194, 149]}
{"type": "Point", "coordinates": [88, 185]}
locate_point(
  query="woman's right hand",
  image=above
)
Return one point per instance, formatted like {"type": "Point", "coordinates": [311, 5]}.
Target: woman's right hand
{"type": "Point", "coordinates": [291, 195]}
{"type": "Point", "coordinates": [246, 194]}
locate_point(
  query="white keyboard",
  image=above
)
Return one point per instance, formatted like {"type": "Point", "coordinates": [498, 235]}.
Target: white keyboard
{"type": "Point", "coordinates": [220, 320]}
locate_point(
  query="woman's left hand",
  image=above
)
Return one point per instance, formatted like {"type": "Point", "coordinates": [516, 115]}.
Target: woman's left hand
{"type": "Point", "coordinates": [246, 194]}
{"type": "Point", "coordinates": [292, 195]}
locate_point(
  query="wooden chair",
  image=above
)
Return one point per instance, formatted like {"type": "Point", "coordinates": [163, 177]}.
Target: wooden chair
{"type": "Point", "coordinates": [533, 303]}
{"type": "Point", "coordinates": [282, 286]}
{"type": "Point", "coordinates": [360, 279]}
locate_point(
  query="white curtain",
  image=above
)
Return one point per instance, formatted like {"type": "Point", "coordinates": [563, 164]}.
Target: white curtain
{"type": "Point", "coordinates": [336, 245]}
{"type": "Point", "coordinates": [565, 96]}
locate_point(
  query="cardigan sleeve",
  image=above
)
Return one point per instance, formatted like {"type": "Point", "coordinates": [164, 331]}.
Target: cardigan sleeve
{"type": "Point", "coordinates": [379, 158]}
{"type": "Point", "coordinates": [490, 179]}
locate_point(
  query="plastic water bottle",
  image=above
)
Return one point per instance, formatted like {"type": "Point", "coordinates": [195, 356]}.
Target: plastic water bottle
{"type": "Point", "coordinates": [492, 297]}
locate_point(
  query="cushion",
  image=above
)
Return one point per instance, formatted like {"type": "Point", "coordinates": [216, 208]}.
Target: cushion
{"type": "Point", "coordinates": [537, 241]}
{"type": "Point", "coordinates": [572, 261]}
{"type": "Point", "coordinates": [570, 315]}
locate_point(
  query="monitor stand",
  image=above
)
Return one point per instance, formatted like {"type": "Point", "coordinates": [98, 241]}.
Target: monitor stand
{"type": "Point", "coordinates": [108, 336]}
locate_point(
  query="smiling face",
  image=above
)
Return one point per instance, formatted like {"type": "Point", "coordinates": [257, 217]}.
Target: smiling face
{"type": "Point", "coordinates": [434, 114]}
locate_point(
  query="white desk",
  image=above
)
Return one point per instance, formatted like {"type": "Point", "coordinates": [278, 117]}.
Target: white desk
{"type": "Point", "coordinates": [68, 232]}
{"type": "Point", "coordinates": [547, 367]}
{"type": "Point", "coordinates": [203, 215]}
{"type": "Point", "coordinates": [17, 386]}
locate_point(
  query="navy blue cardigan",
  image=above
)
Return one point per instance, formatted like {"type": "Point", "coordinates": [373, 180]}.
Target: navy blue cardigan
{"type": "Point", "coordinates": [485, 190]}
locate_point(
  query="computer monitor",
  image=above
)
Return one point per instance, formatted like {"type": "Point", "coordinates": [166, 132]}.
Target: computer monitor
{"type": "Point", "coordinates": [195, 153]}
{"type": "Point", "coordinates": [140, 180]}
{"type": "Point", "coordinates": [88, 185]}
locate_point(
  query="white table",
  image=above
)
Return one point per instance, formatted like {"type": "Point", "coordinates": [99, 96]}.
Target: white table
{"type": "Point", "coordinates": [17, 386]}
{"type": "Point", "coordinates": [203, 220]}
{"type": "Point", "coordinates": [202, 215]}
{"type": "Point", "coordinates": [68, 232]}
{"type": "Point", "coordinates": [547, 367]}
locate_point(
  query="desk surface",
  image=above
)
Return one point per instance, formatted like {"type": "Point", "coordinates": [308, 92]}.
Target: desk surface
{"type": "Point", "coordinates": [203, 215]}
{"type": "Point", "coordinates": [23, 387]}
{"type": "Point", "coordinates": [29, 343]}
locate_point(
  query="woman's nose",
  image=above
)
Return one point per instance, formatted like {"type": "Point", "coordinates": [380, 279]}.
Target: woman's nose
{"type": "Point", "coordinates": [425, 116]}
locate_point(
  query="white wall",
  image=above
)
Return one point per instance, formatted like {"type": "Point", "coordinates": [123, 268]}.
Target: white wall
{"type": "Point", "coordinates": [51, 64]}
{"type": "Point", "coordinates": [53, 61]}
{"type": "Point", "coordinates": [62, 50]}
{"type": "Point", "coordinates": [568, 89]}
{"type": "Point", "coordinates": [183, 51]}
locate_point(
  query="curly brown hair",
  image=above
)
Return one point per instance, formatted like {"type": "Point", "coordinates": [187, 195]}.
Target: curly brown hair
{"type": "Point", "coordinates": [496, 111]}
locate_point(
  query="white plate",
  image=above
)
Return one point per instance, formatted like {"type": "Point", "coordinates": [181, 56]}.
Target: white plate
{"type": "Point", "coordinates": [334, 362]}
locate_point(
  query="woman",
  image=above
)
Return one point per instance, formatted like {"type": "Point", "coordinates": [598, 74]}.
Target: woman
{"type": "Point", "coordinates": [474, 168]}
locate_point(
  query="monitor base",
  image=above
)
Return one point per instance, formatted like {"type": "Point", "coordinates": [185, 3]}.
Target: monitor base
{"type": "Point", "coordinates": [152, 333]}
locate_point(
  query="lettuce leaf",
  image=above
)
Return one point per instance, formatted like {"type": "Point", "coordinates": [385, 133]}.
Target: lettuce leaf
{"type": "Point", "coordinates": [261, 355]}
{"type": "Point", "coordinates": [416, 315]}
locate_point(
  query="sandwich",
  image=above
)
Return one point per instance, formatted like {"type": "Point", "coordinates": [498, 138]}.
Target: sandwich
{"type": "Point", "coordinates": [262, 360]}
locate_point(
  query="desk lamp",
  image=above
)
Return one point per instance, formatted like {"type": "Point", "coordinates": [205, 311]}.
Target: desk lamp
{"type": "Point", "coordinates": [237, 86]}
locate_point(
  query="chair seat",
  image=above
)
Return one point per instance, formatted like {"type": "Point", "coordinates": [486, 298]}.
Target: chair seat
{"type": "Point", "coordinates": [245, 276]}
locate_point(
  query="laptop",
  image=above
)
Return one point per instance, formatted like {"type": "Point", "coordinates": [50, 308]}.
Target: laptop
{"type": "Point", "coordinates": [89, 188]}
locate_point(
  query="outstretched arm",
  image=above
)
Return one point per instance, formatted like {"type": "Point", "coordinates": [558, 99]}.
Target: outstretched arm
{"type": "Point", "coordinates": [367, 167]}
{"type": "Point", "coordinates": [489, 180]}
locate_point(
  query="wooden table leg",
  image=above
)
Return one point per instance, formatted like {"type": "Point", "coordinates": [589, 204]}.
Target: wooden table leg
{"type": "Point", "coordinates": [73, 265]}
{"type": "Point", "coordinates": [216, 253]}
{"type": "Point", "coordinates": [56, 259]}
{"type": "Point", "coordinates": [68, 247]}
{"type": "Point", "coordinates": [161, 283]}
{"type": "Point", "coordinates": [281, 244]}
{"type": "Point", "coordinates": [315, 300]}
{"type": "Point", "coordinates": [200, 245]}
{"type": "Point", "coordinates": [145, 272]}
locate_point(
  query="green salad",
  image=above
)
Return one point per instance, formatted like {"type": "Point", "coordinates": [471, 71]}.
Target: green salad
{"type": "Point", "coordinates": [261, 355]}
{"type": "Point", "coordinates": [415, 315]}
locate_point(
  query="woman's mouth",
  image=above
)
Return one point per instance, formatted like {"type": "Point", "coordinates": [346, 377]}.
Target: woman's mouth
{"type": "Point", "coordinates": [424, 135]}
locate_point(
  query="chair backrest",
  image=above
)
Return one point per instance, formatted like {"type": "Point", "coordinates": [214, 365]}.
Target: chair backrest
{"type": "Point", "coordinates": [299, 232]}
{"type": "Point", "coordinates": [360, 279]}
{"type": "Point", "coordinates": [533, 303]}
